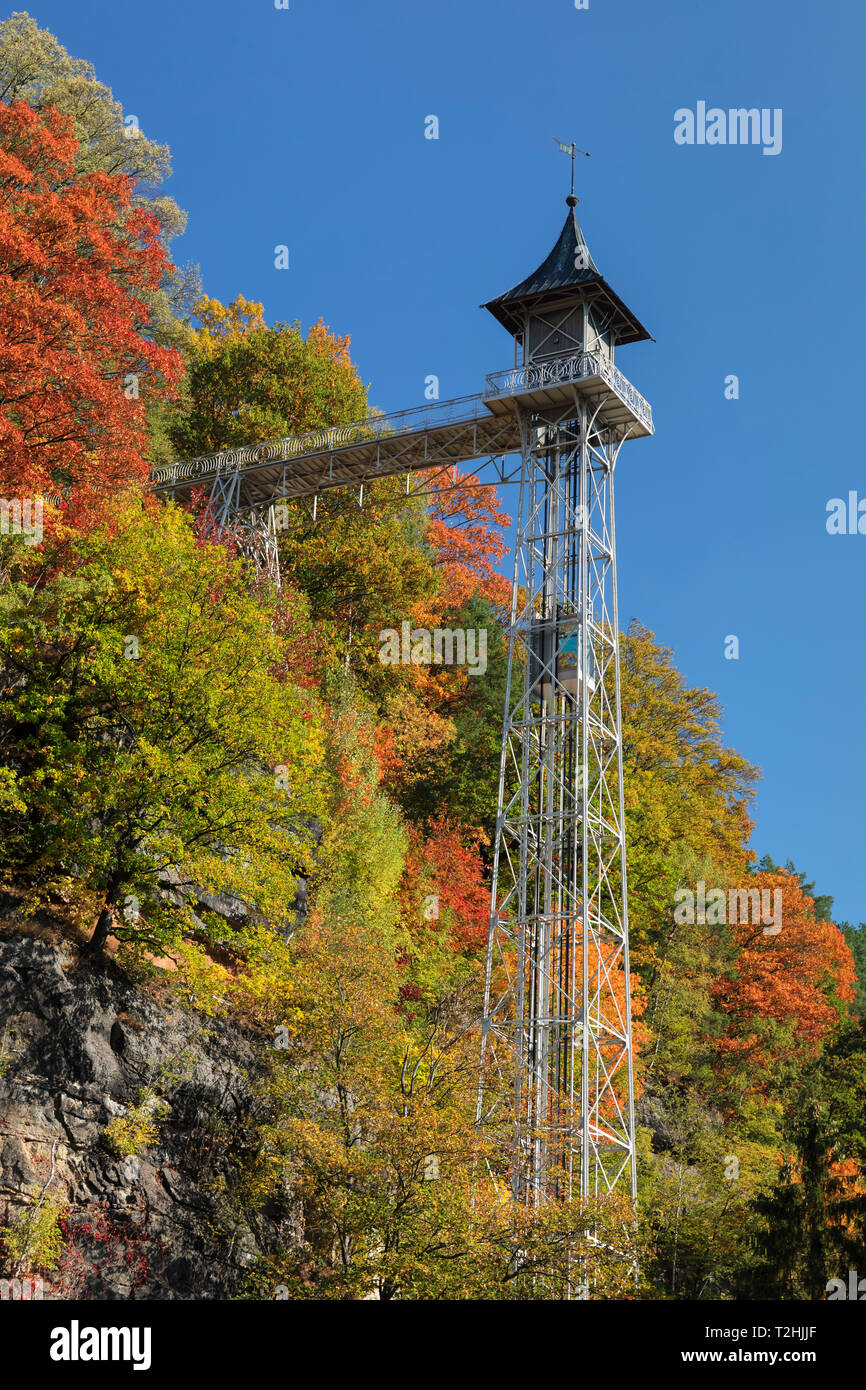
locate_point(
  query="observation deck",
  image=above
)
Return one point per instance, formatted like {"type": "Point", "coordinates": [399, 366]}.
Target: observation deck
{"type": "Point", "coordinates": [550, 382]}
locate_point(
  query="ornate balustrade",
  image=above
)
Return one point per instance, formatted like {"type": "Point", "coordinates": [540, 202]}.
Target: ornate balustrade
{"type": "Point", "coordinates": [376, 426]}
{"type": "Point", "coordinates": [561, 371]}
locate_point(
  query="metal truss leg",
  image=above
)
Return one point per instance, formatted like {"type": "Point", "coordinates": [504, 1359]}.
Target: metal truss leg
{"type": "Point", "coordinates": [253, 530]}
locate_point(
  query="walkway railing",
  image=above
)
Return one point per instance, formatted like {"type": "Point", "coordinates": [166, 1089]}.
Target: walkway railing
{"type": "Point", "coordinates": [376, 426]}
{"type": "Point", "coordinates": [559, 371]}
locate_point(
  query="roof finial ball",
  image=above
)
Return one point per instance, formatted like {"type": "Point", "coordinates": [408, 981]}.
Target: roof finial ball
{"type": "Point", "coordinates": [572, 201]}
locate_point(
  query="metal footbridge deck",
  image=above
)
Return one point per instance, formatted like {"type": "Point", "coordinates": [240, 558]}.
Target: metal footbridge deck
{"type": "Point", "coordinates": [434, 437]}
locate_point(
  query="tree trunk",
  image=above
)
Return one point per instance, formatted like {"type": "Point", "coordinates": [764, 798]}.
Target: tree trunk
{"type": "Point", "coordinates": [104, 923]}
{"type": "Point", "coordinates": [105, 920]}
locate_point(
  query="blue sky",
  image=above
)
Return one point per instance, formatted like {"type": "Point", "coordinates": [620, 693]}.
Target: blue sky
{"type": "Point", "coordinates": [305, 127]}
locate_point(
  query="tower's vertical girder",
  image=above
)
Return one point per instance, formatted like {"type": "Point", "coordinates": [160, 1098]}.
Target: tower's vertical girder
{"type": "Point", "coordinates": [557, 1024]}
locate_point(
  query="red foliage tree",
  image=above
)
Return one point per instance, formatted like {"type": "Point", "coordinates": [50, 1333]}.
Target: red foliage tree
{"type": "Point", "coordinates": [466, 532]}
{"type": "Point", "coordinates": [75, 365]}
{"type": "Point", "coordinates": [446, 873]}
{"type": "Point", "coordinates": [799, 977]}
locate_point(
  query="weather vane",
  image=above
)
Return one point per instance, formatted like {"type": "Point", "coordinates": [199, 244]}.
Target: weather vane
{"type": "Point", "coordinates": [572, 150]}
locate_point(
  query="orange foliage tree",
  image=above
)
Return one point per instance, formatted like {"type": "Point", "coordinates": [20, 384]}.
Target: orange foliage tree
{"type": "Point", "coordinates": [75, 364]}
{"type": "Point", "coordinates": [444, 888]}
{"type": "Point", "coordinates": [793, 983]}
{"type": "Point", "coordinates": [466, 533]}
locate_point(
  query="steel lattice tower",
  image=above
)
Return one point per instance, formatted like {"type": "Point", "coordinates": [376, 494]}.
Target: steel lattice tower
{"type": "Point", "coordinates": [557, 1018]}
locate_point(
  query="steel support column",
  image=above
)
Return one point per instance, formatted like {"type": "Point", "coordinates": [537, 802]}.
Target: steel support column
{"type": "Point", "coordinates": [253, 529]}
{"type": "Point", "coordinates": [557, 1020]}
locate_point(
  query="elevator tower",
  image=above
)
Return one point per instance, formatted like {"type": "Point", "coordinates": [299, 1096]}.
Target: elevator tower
{"type": "Point", "coordinates": [557, 1019]}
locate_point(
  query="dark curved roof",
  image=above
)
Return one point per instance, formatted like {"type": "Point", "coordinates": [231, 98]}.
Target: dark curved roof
{"type": "Point", "coordinates": [559, 274]}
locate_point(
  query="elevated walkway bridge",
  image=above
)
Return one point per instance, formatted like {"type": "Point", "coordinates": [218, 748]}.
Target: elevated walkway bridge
{"type": "Point", "coordinates": [433, 438]}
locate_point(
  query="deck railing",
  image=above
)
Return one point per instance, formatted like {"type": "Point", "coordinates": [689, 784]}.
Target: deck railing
{"type": "Point", "coordinates": [560, 371]}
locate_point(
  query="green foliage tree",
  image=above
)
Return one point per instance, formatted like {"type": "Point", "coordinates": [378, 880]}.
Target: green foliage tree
{"type": "Point", "coordinates": [813, 1222]}
{"type": "Point", "coordinates": [684, 789]}
{"type": "Point", "coordinates": [363, 848]}
{"type": "Point", "coordinates": [362, 570]}
{"type": "Point", "coordinates": [822, 909]}
{"type": "Point", "coordinates": [855, 938]}
{"type": "Point", "coordinates": [143, 731]}
{"type": "Point", "coordinates": [463, 775]}
{"type": "Point", "coordinates": [697, 1193]}
{"type": "Point", "coordinates": [248, 382]}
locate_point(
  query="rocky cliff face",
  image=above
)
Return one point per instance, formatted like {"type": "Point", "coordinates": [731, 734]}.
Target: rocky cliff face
{"type": "Point", "coordinates": [79, 1048]}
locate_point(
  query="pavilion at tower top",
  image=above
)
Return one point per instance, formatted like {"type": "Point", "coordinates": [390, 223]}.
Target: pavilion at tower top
{"type": "Point", "coordinates": [567, 279]}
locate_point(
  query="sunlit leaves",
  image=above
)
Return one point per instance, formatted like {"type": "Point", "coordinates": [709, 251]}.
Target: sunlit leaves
{"type": "Point", "coordinates": [75, 261]}
{"type": "Point", "coordinates": [155, 755]}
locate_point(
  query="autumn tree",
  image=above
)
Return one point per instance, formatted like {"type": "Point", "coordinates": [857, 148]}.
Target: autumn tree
{"type": "Point", "coordinates": [36, 68]}
{"type": "Point", "coordinates": [467, 534]}
{"type": "Point", "coordinates": [402, 1195]}
{"type": "Point", "coordinates": [445, 898]}
{"type": "Point", "coordinates": [685, 791]}
{"type": "Point", "coordinates": [360, 1102]}
{"type": "Point", "coordinates": [368, 571]}
{"type": "Point", "coordinates": [144, 733]}
{"type": "Point", "coordinates": [75, 260]}
{"type": "Point", "coordinates": [786, 991]}
{"type": "Point", "coordinates": [247, 382]}
{"type": "Point", "coordinates": [383, 1165]}
{"type": "Point", "coordinates": [370, 1122]}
